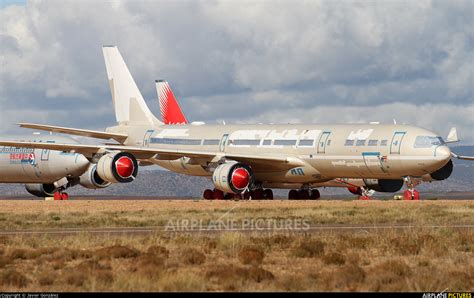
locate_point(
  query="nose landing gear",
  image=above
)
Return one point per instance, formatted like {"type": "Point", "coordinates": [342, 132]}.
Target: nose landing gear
{"type": "Point", "coordinates": [411, 193]}
{"type": "Point", "coordinates": [60, 195]}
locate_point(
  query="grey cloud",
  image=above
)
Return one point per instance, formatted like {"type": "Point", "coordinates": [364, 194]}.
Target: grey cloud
{"type": "Point", "coordinates": [243, 61]}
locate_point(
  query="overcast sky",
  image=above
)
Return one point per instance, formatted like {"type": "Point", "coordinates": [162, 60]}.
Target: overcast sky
{"type": "Point", "coordinates": [243, 61]}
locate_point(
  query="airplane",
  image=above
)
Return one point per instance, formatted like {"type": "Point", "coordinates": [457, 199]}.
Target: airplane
{"type": "Point", "coordinates": [251, 159]}
{"type": "Point", "coordinates": [47, 173]}
{"type": "Point", "coordinates": [172, 113]}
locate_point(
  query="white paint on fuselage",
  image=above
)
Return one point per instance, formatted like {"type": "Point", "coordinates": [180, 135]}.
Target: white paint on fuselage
{"type": "Point", "coordinates": [24, 165]}
{"type": "Point", "coordinates": [335, 161]}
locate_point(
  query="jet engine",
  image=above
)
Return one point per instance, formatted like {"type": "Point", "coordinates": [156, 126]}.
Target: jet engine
{"type": "Point", "coordinates": [119, 167]}
{"type": "Point", "coordinates": [91, 179]}
{"type": "Point", "coordinates": [232, 177]}
{"type": "Point", "coordinates": [41, 190]}
{"type": "Point", "coordinates": [444, 172]}
{"type": "Point", "coordinates": [384, 185]}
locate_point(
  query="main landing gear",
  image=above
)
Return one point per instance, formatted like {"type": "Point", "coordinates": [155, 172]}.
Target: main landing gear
{"type": "Point", "coordinates": [411, 193]}
{"type": "Point", "coordinates": [363, 192]}
{"type": "Point", "coordinates": [304, 194]}
{"type": "Point", "coordinates": [257, 194]}
{"type": "Point", "coordinates": [60, 195]}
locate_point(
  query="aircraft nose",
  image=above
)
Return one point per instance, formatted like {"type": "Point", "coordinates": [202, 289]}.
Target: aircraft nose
{"type": "Point", "coordinates": [443, 152]}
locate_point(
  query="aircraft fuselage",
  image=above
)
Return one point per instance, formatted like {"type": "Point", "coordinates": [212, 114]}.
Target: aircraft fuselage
{"type": "Point", "coordinates": [326, 151]}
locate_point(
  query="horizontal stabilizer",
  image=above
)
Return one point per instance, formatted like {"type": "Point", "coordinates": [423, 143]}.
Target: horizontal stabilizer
{"type": "Point", "coordinates": [78, 132]}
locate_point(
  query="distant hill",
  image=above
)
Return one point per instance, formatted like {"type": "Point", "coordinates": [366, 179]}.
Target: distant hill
{"type": "Point", "coordinates": [166, 183]}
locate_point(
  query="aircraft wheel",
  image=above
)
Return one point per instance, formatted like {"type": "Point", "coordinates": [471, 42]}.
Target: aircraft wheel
{"type": "Point", "coordinates": [268, 194]}
{"type": "Point", "coordinates": [315, 194]}
{"type": "Point", "coordinates": [257, 194]}
{"type": "Point", "coordinates": [57, 195]}
{"type": "Point", "coordinates": [293, 194]}
{"type": "Point", "coordinates": [64, 196]}
{"type": "Point", "coordinates": [247, 195]}
{"type": "Point", "coordinates": [229, 196]}
{"type": "Point", "coordinates": [208, 194]}
{"type": "Point", "coordinates": [303, 194]}
{"type": "Point", "coordinates": [218, 194]}
{"type": "Point", "coordinates": [364, 198]}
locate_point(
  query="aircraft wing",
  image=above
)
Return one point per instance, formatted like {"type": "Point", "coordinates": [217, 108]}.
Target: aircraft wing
{"type": "Point", "coordinates": [462, 156]}
{"type": "Point", "coordinates": [78, 132]}
{"type": "Point", "coordinates": [274, 162]}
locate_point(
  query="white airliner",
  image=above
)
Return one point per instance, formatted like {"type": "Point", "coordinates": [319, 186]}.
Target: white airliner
{"type": "Point", "coordinates": [252, 159]}
{"type": "Point", "coordinates": [47, 173]}
{"type": "Point", "coordinates": [172, 113]}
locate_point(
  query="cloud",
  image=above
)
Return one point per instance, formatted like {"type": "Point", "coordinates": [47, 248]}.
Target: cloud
{"type": "Point", "coordinates": [244, 61]}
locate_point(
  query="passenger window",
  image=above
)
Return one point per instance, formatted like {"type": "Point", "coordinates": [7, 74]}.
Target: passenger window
{"type": "Point", "coordinates": [267, 142]}
{"type": "Point", "coordinates": [383, 143]}
{"type": "Point", "coordinates": [373, 142]}
{"type": "Point", "coordinates": [349, 143]}
{"type": "Point", "coordinates": [309, 143]}
{"type": "Point", "coordinates": [360, 143]}
{"type": "Point", "coordinates": [285, 142]}
{"type": "Point", "coordinates": [246, 142]}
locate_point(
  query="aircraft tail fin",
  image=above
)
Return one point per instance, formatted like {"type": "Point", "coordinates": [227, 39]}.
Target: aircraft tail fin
{"type": "Point", "coordinates": [452, 136]}
{"type": "Point", "coordinates": [171, 112]}
{"type": "Point", "coordinates": [130, 107]}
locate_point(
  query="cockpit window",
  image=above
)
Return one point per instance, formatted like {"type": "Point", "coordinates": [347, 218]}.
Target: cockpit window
{"type": "Point", "coordinates": [427, 141]}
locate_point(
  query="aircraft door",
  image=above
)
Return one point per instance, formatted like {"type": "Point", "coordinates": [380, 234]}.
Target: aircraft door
{"type": "Point", "coordinates": [374, 162]}
{"type": "Point", "coordinates": [45, 154]}
{"type": "Point", "coordinates": [396, 142]}
{"type": "Point", "coordinates": [147, 137]}
{"type": "Point", "coordinates": [223, 142]}
{"type": "Point", "coordinates": [323, 142]}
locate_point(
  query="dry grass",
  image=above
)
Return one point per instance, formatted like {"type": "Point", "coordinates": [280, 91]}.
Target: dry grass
{"type": "Point", "coordinates": [418, 259]}
{"type": "Point", "coordinates": [74, 214]}
{"type": "Point", "coordinates": [251, 255]}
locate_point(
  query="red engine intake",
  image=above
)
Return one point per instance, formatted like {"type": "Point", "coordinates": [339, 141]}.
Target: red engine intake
{"type": "Point", "coordinates": [121, 167]}
{"type": "Point", "coordinates": [232, 177]}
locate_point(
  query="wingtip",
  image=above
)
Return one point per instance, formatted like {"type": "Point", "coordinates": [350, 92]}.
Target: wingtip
{"type": "Point", "coordinates": [159, 81]}
{"type": "Point", "coordinates": [109, 46]}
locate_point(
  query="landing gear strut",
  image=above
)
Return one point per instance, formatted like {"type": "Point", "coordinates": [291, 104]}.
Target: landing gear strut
{"type": "Point", "coordinates": [365, 193]}
{"type": "Point", "coordinates": [411, 193]}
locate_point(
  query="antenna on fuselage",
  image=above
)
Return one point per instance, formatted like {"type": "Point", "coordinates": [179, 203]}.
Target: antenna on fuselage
{"type": "Point", "coordinates": [394, 121]}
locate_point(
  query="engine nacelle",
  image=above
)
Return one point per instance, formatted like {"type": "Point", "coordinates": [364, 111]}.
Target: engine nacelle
{"type": "Point", "coordinates": [444, 172]}
{"type": "Point", "coordinates": [232, 177]}
{"type": "Point", "coordinates": [384, 185]}
{"type": "Point", "coordinates": [41, 190]}
{"type": "Point", "coordinates": [119, 167]}
{"type": "Point", "coordinates": [91, 179]}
